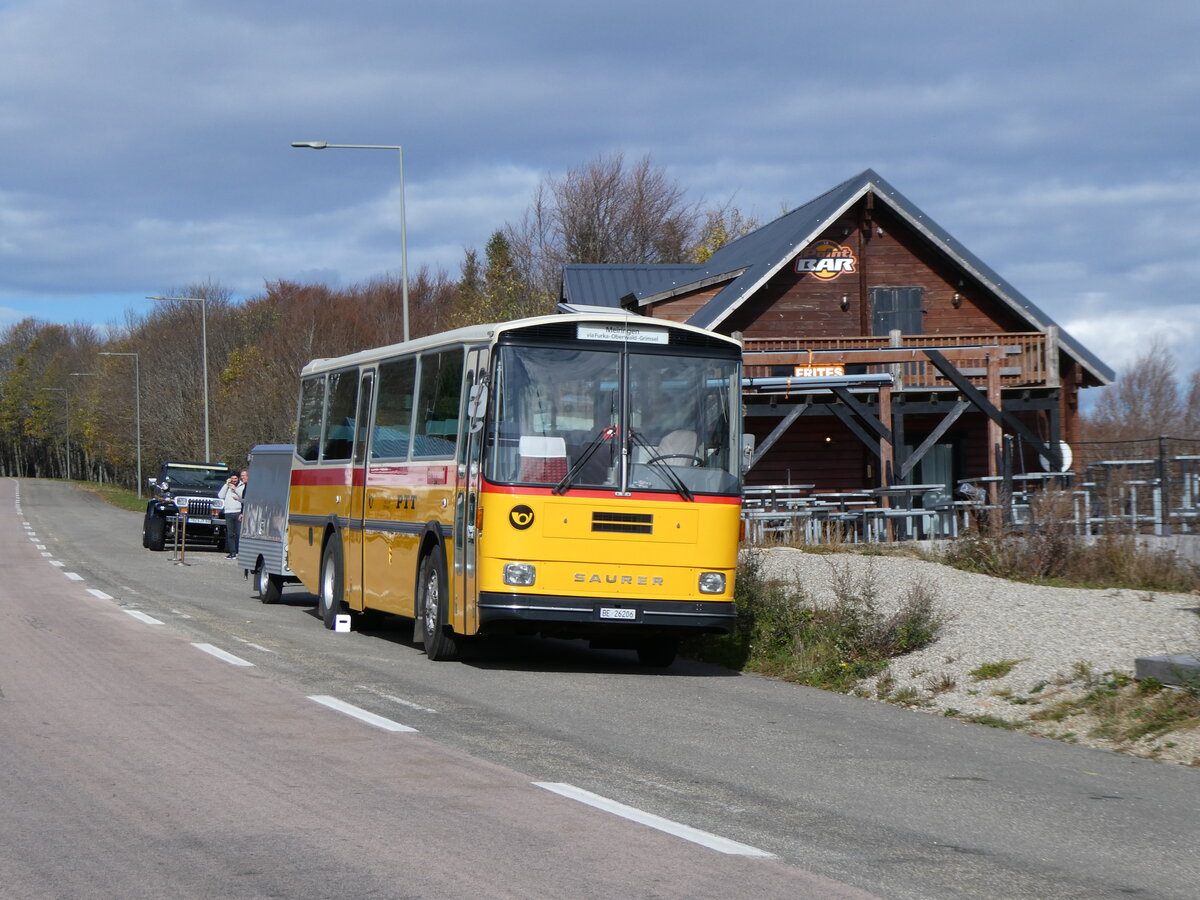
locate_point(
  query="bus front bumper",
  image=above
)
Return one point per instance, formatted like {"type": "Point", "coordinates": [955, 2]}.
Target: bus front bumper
{"type": "Point", "coordinates": [601, 616]}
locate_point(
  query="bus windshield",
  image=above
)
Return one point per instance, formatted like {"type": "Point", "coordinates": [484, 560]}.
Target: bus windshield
{"type": "Point", "coordinates": [616, 419]}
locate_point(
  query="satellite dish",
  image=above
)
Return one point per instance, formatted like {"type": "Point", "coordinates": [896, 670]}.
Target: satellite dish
{"type": "Point", "coordinates": [1067, 457]}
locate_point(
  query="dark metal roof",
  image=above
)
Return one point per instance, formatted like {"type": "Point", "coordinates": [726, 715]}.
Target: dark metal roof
{"type": "Point", "coordinates": [751, 260]}
{"type": "Point", "coordinates": [605, 285]}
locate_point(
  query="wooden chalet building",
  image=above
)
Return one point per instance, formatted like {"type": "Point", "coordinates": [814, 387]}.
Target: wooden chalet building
{"type": "Point", "coordinates": [861, 282]}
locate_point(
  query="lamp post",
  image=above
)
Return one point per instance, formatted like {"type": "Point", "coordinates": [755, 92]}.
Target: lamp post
{"type": "Point", "coordinates": [137, 405]}
{"type": "Point", "coordinates": [322, 145]}
{"type": "Point", "coordinates": [204, 353]}
{"type": "Point", "coordinates": [67, 429]}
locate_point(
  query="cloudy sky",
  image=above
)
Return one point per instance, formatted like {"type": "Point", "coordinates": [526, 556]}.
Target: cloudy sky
{"type": "Point", "coordinates": [144, 144]}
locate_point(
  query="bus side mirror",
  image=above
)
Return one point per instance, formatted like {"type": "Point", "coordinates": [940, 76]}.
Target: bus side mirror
{"type": "Point", "coordinates": [747, 452]}
{"type": "Point", "coordinates": [477, 406]}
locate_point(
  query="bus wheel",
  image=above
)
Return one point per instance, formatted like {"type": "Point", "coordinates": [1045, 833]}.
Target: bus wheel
{"type": "Point", "coordinates": [658, 652]}
{"type": "Point", "coordinates": [329, 600]}
{"type": "Point", "coordinates": [440, 643]}
{"type": "Point", "coordinates": [269, 586]}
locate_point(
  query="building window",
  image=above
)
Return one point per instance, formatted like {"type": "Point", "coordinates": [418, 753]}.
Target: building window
{"type": "Point", "coordinates": [897, 308]}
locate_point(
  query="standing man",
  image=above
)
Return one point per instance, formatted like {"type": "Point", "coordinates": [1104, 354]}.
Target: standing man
{"type": "Point", "coordinates": [231, 494]}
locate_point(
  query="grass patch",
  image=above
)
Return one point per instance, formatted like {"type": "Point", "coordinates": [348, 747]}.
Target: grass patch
{"type": "Point", "coordinates": [998, 669]}
{"type": "Point", "coordinates": [120, 497]}
{"type": "Point", "coordinates": [994, 722]}
{"type": "Point", "coordinates": [1126, 711]}
{"type": "Point", "coordinates": [782, 632]}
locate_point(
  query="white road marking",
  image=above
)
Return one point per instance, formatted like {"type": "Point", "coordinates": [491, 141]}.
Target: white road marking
{"type": "Point", "coordinates": [695, 835]}
{"type": "Point", "coordinates": [254, 645]}
{"type": "Point", "coordinates": [222, 655]}
{"type": "Point", "coordinates": [47, 553]}
{"type": "Point", "coordinates": [99, 594]}
{"type": "Point", "coordinates": [361, 714]}
{"type": "Point", "coordinates": [55, 562]}
{"type": "Point", "coordinates": [141, 616]}
{"type": "Point", "coordinates": [399, 700]}
{"type": "Point", "coordinates": [40, 546]}
{"type": "Point", "coordinates": [73, 576]}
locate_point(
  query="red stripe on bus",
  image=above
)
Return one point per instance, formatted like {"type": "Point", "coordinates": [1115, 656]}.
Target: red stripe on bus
{"type": "Point", "coordinates": [329, 476]}
{"type": "Point", "coordinates": [381, 476]}
{"type": "Point", "coordinates": [524, 491]}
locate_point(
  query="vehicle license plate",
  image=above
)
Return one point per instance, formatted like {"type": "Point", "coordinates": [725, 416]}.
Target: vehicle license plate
{"type": "Point", "coordinates": [608, 612]}
{"type": "Point", "coordinates": [199, 521]}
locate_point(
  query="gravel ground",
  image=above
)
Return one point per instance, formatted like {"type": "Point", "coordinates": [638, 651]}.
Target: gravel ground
{"type": "Point", "coordinates": [1058, 634]}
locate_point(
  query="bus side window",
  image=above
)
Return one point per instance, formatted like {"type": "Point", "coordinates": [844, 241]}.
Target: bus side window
{"type": "Point", "coordinates": [393, 409]}
{"type": "Point", "coordinates": [308, 430]}
{"type": "Point", "coordinates": [339, 416]}
{"type": "Point", "coordinates": [438, 403]}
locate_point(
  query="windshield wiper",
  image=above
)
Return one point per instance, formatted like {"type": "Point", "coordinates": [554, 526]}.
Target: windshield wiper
{"type": "Point", "coordinates": [666, 471]}
{"type": "Point", "coordinates": [605, 434]}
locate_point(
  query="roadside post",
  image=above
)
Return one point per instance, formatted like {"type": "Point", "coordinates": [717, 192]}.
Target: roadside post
{"type": "Point", "coordinates": [181, 532]}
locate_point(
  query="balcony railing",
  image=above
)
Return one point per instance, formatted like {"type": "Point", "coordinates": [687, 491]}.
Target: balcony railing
{"type": "Point", "coordinates": [1028, 357]}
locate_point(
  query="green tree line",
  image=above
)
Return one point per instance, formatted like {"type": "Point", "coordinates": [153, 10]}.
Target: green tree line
{"type": "Point", "coordinates": [67, 405]}
{"type": "Point", "coordinates": [67, 392]}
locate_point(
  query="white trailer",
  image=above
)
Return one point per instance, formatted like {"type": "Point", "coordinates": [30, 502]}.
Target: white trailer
{"type": "Point", "coordinates": [262, 546]}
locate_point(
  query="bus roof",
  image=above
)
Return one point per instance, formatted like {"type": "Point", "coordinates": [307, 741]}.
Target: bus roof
{"type": "Point", "coordinates": [475, 334]}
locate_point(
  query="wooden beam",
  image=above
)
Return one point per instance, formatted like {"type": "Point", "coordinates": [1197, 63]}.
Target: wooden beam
{"type": "Point", "coordinates": [863, 412]}
{"type": "Point", "coordinates": [847, 419]}
{"type": "Point", "coordinates": [992, 404]}
{"type": "Point", "coordinates": [778, 431]}
{"type": "Point", "coordinates": [903, 355]}
{"type": "Point", "coordinates": [887, 447]}
{"type": "Point", "coordinates": [950, 418]}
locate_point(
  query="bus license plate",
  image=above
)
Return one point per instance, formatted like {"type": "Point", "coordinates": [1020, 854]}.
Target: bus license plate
{"type": "Point", "coordinates": [197, 521]}
{"type": "Point", "coordinates": [608, 612]}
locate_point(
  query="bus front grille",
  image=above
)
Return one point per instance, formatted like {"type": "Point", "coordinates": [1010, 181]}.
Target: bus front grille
{"type": "Point", "coordinates": [623, 523]}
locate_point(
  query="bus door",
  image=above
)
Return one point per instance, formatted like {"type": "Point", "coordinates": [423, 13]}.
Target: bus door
{"type": "Point", "coordinates": [466, 500]}
{"type": "Point", "coordinates": [355, 532]}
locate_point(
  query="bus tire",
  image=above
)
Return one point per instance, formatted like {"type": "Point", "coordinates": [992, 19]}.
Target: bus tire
{"type": "Point", "coordinates": [440, 642]}
{"type": "Point", "coordinates": [329, 599]}
{"type": "Point", "coordinates": [270, 587]}
{"type": "Point", "coordinates": [658, 652]}
{"type": "Point", "coordinates": [154, 533]}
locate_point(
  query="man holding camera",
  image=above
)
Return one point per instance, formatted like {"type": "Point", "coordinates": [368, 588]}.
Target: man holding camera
{"type": "Point", "coordinates": [231, 494]}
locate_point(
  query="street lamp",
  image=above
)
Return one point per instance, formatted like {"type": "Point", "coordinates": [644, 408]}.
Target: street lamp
{"type": "Point", "coordinates": [67, 430]}
{"type": "Point", "coordinates": [204, 353]}
{"type": "Point", "coordinates": [137, 403]}
{"type": "Point", "coordinates": [322, 145]}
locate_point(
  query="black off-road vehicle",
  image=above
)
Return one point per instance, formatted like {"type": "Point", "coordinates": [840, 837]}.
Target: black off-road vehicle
{"type": "Point", "coordinates": [196, 483]}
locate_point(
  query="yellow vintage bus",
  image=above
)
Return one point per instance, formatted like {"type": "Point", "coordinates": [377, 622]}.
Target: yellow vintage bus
{"type": "Point", "coordinates": [574, 475]}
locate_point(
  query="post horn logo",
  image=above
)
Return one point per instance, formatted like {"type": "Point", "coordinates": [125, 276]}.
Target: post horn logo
{"type": "Point", "coordinates": [520, 517]}
{"type": "Point", "coordinates": [826, 260]}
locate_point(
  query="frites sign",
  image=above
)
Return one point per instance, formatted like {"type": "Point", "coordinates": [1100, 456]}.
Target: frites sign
{"type": "Point", "coordinates": [826, 260]}
{"type": "Point", "coordinates": [835, 371]}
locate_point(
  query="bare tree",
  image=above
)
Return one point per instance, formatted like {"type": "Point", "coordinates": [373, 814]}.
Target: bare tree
{"type": "Point", "coordinates": [1144, 401]}
{"type": "Point", "coordinates": [602, 212]}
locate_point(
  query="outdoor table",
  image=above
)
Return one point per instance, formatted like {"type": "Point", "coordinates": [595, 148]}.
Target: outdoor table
{"type": "Point", "coordinates": [905, 493]}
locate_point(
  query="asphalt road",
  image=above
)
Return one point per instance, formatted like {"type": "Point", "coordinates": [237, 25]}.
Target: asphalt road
{"type": "Point", "coordinates": [137, 764]}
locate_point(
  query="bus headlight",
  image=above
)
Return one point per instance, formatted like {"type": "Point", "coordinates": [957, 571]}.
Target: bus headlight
{"type": "Point", "coordinates": [520, 574]}
{"type": "Point", "coordinates": [712, 582]}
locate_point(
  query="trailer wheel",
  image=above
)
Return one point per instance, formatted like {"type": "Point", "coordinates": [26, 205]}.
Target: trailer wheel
{"type": "Point", "coordinates": [440, 642]}
{"type": "Point", "coordinates": [329, 600]}
{"type": "Point", "coordinates": [270, 587]}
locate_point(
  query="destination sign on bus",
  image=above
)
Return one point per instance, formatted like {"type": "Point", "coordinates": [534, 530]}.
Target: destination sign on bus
{"type": "Point", "coordinates": [632, 334]}
{"type": "Point", "coordinates": [834, 371]}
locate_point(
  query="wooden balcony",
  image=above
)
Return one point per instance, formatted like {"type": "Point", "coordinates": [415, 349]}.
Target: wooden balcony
{"type": "Point", "coordinates": [1028, 359]}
